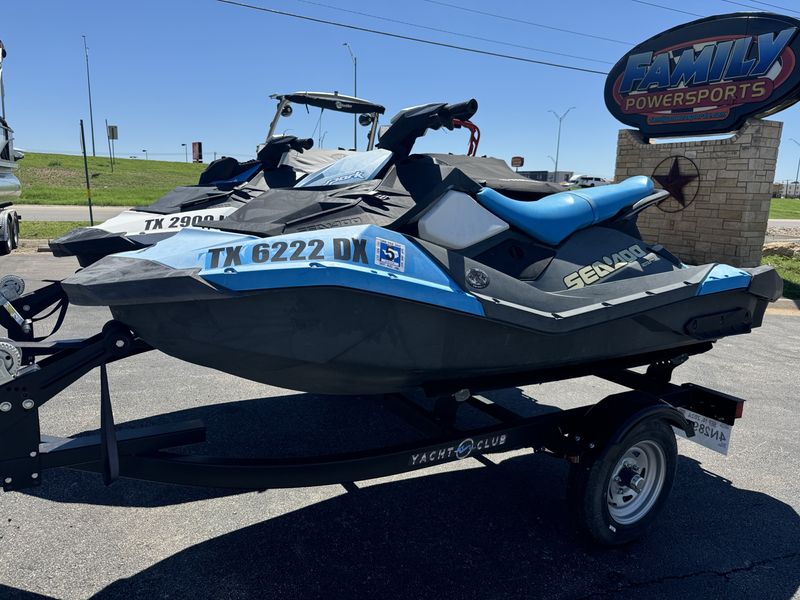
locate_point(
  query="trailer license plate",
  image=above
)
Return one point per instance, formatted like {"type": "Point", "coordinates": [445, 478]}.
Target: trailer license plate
{"type": "Point", "coordinates": [708, 432]}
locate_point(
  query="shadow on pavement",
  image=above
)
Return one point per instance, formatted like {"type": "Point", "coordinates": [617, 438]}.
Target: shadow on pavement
{"type": "Point", "coordinates": [495, 532]}
{"type": "Point", "coordinates": [491, 533]}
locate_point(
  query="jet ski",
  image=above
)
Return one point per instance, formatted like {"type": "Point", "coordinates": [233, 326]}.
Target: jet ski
{"type": "Point", "coordinates": [227, 184]}
{"type": "Point", "coordinates": [428, 279]}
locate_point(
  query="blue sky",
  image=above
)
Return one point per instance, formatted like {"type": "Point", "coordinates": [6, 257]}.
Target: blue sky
{"type": "Point", "coordinates": [173, 71]}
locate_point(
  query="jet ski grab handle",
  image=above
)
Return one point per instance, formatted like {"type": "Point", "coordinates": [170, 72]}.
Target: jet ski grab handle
{"type": "Point", "coordinates": [653, 199]}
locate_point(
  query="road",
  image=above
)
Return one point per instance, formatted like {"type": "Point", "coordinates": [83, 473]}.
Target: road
{"type": "Point", "coordinates": [784, 222]}
{"type": "Point", "coordinates": [461, 530]}
{"type": "Point", "coordinates": [37, 212]}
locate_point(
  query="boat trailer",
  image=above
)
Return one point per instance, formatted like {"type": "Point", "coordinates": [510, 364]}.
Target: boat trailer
{"type": "Point", "coordinates": [621, 449]}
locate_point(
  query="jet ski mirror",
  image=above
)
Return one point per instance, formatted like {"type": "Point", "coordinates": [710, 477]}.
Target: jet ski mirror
{"type": "Point", "coordinates": [365, 119]}
{"type": "Point", "coordinates": [287, 111]}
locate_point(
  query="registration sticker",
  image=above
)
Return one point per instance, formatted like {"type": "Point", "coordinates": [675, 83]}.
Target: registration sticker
{"type": "Point", "coordinates": [708, 432]}
{"type": "Point", "coordinates": [391, 255]}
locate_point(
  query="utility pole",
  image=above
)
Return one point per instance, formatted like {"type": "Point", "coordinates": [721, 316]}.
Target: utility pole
{"type": "Point", "coordinates": [797, 173]}
{"type": "Point", "coordinates": [355, 93]}
{"type": "Point", "coordinates": [558, 139]}
{"type": "Point", "coordinates": [89, 86]}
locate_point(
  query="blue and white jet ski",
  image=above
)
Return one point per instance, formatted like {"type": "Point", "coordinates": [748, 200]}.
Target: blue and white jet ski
{"type": "Point", "coordinates": [429, 278]}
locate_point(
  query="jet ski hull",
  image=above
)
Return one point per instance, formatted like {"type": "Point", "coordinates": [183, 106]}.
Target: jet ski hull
{"type": "Point", "coordinates": [373, 343]}
{"type": "Point", "coordinates": [380, 312]}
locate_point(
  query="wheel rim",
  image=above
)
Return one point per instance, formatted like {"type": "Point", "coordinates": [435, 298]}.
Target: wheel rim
{"type": "Point", "coordinates": [636, 482]}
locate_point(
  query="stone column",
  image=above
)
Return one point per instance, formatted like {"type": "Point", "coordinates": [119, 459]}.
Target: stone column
{"type": "Point", "coordinates": [727, 219]}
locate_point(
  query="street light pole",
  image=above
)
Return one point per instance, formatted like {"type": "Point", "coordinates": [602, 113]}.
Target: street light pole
{"type": "Point", "coordinates": [185, 152]}
{"type": "Point", "coordinates": [558, 139]}
{"type": "Point", "coordinates": [797, 173]}
{"type": "Point", "coordinates": [355, 93]}
{"type": "Point", "coordinates": [89, 86]}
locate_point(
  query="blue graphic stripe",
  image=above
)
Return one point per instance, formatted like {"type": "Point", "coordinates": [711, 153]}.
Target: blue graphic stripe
{"type": "Point", "coordinates": [724, 278]}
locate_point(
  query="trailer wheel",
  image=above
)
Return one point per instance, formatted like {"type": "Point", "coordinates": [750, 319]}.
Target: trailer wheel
{"type": "Point", "coordinates": [6, 244]}
{"type": "Point", "coordinates": [619, 495]}
{"type": "Point", "coordinates": [15, 234]}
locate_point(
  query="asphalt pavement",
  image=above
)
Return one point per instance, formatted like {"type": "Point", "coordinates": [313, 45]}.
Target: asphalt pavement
{"type": "Point", "coordinates": [462, 530]}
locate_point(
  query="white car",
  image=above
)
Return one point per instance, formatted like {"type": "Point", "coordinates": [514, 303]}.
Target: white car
{"type": "Point", "coordinates": [584, 181]}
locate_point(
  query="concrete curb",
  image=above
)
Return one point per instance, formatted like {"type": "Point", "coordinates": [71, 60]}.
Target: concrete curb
{"type": "Point", "coordinates": [786, 304]}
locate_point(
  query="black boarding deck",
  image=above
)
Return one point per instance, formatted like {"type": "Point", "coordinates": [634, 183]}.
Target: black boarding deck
{"type": "Point", "coordinates": [577, 434]}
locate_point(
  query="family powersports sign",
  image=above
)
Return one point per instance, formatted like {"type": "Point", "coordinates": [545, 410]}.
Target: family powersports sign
{"type": "Point", "coordinates": [708, 76]}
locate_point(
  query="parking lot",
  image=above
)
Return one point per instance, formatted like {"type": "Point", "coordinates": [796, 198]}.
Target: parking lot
{"type": "Point", "coordinates": [462, 530]}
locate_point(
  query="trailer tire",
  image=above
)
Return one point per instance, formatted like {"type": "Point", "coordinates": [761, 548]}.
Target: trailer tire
{"type": "Point", "coordinates": [15, 233]}
{"type": "Point", "coordinates": [610, 512]}
{"type": "Point", "coordinates": [6, 244]}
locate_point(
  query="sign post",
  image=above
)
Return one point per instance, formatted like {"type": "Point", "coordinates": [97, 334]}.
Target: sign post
{"type": "Point", "coordinates": [86, 173]}
{"type": "Point", "coordinates": [111, 134]}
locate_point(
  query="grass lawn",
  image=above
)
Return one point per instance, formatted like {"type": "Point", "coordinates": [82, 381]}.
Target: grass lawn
{"type": "Point", "coordinates": [59, 179]}
{"type": "Point", "coordinates": [784, 208]}
{"type": "Point", "coordinates": [47, 230]}
{"type": "Point", "coordinates": [789, 269]}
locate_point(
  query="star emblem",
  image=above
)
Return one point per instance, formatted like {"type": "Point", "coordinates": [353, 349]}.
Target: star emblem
{"type": "Point", "coordinates": [675, 182]}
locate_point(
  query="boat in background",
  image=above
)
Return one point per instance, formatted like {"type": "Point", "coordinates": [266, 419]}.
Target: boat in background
{"type": "Point", "coordinates": [225, 185]}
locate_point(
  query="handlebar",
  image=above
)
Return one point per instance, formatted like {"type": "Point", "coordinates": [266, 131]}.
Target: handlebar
{"type": "Point", "coordinates": [462, 111]}
{"type": "Point", "coordinates": [300, 144]}
{"type": "Point", "coordinates": [412, 123]}
{"type": "Point", "coordinates": [272, 152]}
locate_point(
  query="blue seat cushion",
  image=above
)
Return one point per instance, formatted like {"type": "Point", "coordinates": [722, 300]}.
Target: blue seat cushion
{"type": "Point", "coordinates": [554, 218]}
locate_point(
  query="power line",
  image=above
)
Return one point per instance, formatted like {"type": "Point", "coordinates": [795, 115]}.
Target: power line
{"type": "Point", "coordinates": [449, 32]}
{"type": "Point", "coordinates": [531, 23]}
{"type": "Point", "coordinates": [685, 12]}
{"type": "Point", "coordinates": [411, 38]}
{"type": "Point", "coordinates": [764, 3]}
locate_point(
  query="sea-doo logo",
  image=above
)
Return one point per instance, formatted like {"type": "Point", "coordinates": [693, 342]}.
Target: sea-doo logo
{"type": "Point", "coordinates": [390, 254]}
{"type": "Point", "coordinates": [707, 76]}
{"type": "Point", "coordinates": [477, 278]}
{"type": "Point", "coordinates": [604, 267]}
{"type": "Point", "coordinates": [330, 224]}
{"type": "Point", "coordinates": [459, 451]}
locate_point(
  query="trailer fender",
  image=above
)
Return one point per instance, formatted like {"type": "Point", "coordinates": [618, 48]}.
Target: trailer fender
{"type": "Point", "coordinates": [610, 420]}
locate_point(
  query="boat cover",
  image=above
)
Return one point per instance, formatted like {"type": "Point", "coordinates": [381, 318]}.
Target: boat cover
{"type": "Point", "coordinates": [311, 161]}
{"type": "Point", "coordinates": [496, 174]}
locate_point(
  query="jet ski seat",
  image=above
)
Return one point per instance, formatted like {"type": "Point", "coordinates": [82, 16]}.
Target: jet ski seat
{"type": "Point", "coordinates": [554, 218]}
